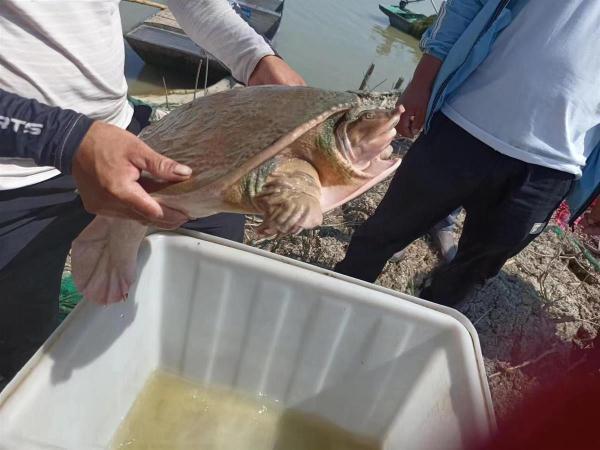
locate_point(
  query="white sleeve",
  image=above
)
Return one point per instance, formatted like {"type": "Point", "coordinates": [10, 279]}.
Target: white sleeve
{"type": "Point", "coordinates": [215, 26]}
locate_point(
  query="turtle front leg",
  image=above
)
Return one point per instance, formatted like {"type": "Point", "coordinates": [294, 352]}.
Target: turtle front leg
{"type": "Point", "coordinates": [290, 200]}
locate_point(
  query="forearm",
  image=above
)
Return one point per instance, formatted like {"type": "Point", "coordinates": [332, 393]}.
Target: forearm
{"type": "Point", "coordinates": [48, 135]}
{"type": "Point", "coordinates": [215, 26]}
{"type": "Point", "coordinates": [426, 72]}
{"type": "Point", "coordinates": [416, 96]}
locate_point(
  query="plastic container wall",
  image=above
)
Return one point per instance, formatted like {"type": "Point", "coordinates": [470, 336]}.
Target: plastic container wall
{"type": "Point", "coordinates": [369, 360]}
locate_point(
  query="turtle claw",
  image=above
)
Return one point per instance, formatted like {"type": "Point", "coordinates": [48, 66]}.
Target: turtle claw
{"type": "Point", "coordinates": [104, 259]}
{"type": "Point", "coordinates": [290, 218]}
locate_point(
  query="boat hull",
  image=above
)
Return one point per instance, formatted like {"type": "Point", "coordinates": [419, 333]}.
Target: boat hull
{"type": "Point", "coordinates": [401, 19]}
{"type": "Point", "coordinates": [160, 40]}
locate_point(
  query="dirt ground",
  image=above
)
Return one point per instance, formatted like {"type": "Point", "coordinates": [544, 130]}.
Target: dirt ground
{"type": "Point", "coordinates": [537, 320]}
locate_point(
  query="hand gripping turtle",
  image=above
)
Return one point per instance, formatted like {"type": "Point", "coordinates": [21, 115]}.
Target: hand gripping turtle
{"type": "Point", "coordinates": [287, 153]}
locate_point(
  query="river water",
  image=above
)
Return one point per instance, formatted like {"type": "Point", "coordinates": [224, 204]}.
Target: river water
{"type": "Point", "coordinates": [329, 42]}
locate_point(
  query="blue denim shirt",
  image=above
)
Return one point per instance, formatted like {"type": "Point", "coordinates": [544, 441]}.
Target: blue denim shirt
{"type": "Point", "coordinates": [462, 38]}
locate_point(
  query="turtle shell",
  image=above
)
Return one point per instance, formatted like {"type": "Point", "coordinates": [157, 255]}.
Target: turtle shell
{"type": "Point", "coordinates": [224, 136]}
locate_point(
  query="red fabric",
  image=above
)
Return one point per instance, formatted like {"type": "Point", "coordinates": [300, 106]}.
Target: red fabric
{"type": "Point", "coordinates": [562, 416]}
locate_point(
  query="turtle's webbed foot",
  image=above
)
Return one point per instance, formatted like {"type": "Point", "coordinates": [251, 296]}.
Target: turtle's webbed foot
{"type": "Point", "coordinates": [104, 259]}
{"type": "Point", "coordinates": [288, 209]}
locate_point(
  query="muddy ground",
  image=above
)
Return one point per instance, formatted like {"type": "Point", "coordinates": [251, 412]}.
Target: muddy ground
{"type": "Point", "coordinates": [537, 320]}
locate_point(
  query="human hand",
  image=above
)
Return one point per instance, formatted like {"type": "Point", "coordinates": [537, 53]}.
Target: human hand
{"type": "Point", "coordinates": [591, 221]}
{"type": "Point", "coordinates": [413, 107]}
{"type": "Point", "coordinates": [107, 170]}
{"type": "Point", "coordinates": [274, 70]}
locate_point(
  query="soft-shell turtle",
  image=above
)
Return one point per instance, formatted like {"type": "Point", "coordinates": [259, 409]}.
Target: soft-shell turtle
{"type": "Point", "coordinates": [287, 153]}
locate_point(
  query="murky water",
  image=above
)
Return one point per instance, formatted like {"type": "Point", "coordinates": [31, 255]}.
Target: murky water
{"type": "Point", "coordinates": [173, 414]}
{"type": "Point", "coordinates": [329, 42]}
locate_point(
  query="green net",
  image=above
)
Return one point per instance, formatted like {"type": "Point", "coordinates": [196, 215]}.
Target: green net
{"type": "Point", "coordinates": [69, 296]}
{"type": "Point", "coordinates": [595, 263]}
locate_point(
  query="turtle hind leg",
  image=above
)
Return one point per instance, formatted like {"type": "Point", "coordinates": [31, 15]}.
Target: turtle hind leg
{"type": "Point", "coordinates": [104, 256]}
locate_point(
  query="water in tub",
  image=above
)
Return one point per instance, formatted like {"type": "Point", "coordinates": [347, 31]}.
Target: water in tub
{"type": "Point", "coordinates": [175, 414]}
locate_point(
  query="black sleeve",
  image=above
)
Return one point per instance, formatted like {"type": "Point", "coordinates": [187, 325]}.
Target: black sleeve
{"type": "Point", "coordinates": [48, 135]}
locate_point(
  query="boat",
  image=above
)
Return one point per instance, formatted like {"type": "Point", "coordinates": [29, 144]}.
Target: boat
{"type": "Point", "coordinates": [161, 41]}
{"type": "Point", "coordinates": [402, 18]}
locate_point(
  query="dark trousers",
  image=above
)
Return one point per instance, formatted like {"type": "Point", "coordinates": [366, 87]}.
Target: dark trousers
{"type": "Point", "coordinates": [507, 202]}
{"type": "Point", "coordinates": [37, 225]}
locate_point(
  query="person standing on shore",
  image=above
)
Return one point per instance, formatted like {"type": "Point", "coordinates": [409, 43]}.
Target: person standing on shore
{"type": "Point", "coordinates": [63, 115]}
{"type": "Point", "coordinates": [508, 94]}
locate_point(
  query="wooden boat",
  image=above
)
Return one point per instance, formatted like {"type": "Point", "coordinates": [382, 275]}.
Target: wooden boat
{"type": "Point", "coordinates": [271, 5]}
{"type": "Point", "coordinates": [160, 40]}
{"type": "Point", "coordinates": [401, 18]}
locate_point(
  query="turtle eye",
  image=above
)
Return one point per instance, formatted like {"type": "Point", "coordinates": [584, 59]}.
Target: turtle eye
{"type": "Point", "coordinates": [369, 115]}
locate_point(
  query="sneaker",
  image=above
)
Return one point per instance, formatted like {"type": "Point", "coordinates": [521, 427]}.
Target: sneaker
{"type": "Point", "coordinates": [398, 256]}
{"type": "Point", "coordinates": [445, 243]}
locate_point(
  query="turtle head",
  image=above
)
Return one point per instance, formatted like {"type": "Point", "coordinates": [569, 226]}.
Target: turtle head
{"type": "Point", "coordinates": [365, 133]}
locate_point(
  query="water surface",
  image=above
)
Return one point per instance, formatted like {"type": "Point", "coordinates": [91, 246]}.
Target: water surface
{"type": "Point", "coordinates": [329, 42]}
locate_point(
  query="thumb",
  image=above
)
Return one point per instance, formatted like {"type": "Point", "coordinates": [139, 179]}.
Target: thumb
{"type": "Point", "coordinates": [162, 167]}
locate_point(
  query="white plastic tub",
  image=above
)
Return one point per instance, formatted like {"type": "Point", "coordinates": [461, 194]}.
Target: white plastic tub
{"type": "Point", "coordinates": [368, 359]}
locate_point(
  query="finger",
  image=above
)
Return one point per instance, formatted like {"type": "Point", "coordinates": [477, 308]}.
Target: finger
{"type": "Point", "coordinates": [400, 108]}
{"type": "Point", "coordinates": [134, 196]}
{"type": "Point", "coordinates": [160, 166]}
{"type": "Point", "coordinates": [404, 124]}
{"type": "Point", "coordinates": [417, 123]}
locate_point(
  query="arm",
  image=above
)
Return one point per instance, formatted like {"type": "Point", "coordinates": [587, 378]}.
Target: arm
{"type": "Point", "coordinates": [105, 160]}
{"type": "Point", "coordinates": [454, 17]}
{"type": "Point", "coordinates": [48, 135]}
{"type": "Point", "coordinates": [414, 99]}
{"type": "Point", "coordinates": [216, 27]}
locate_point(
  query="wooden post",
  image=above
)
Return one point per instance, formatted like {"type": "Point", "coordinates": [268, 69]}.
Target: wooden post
{"type": "Point", "coordinates": [206, 76]}
{"type": "Point", "coordinates": [166, 92]}
{"type": "Point", "coordinates": [197, 76]}
{"type": "Point", "coordinates": [365, 80]}
{"type": "Point", "coordinates": [398, 84]}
